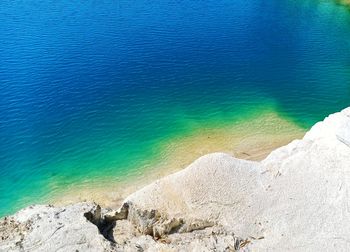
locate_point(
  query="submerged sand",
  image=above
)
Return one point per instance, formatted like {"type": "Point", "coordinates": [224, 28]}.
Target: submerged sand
{"type": "Point", "coordinates": [251, 139]}
{"type": "Point", "coordinates": [294, 200]}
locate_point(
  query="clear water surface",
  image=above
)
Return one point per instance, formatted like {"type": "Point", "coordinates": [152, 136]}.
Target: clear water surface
{"type": "Point", "coordinates": [89, 88]}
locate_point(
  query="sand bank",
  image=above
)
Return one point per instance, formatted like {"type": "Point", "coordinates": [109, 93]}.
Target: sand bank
{"type": "Point", "coordinates": [296, 199]}
{"type": "Point", "coordinates": [251, 139]}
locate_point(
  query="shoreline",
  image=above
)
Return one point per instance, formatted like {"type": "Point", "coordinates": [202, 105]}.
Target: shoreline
{"type": "Point", "coordinates": [271, 132]}
{"type": "Point", "coordinates": [216, 203]}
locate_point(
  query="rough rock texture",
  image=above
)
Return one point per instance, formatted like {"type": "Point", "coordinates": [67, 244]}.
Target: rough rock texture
{"type": "Point", "coordinates": [46, 228]}
{"type": "Point", "coordinates": [297, 199]}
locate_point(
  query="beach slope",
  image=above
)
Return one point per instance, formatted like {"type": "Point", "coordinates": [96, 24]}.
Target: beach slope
{"type": "Point", "coordinates": [297, 199]}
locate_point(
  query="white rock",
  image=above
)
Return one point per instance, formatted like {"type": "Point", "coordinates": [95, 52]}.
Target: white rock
{"type": "Point", "coordinates": [297, 199]}
{"type": "Point", "coordinates": [46, 228]}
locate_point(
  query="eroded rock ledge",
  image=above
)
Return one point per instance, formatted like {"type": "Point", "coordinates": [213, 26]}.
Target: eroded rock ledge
{"type": "Point", "coordinates": [297, 199]}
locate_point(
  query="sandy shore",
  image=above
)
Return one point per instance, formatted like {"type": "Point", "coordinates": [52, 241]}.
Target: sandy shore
{"type": "Point", "coordinates": [294, 200]}
{"type": "Point", "coordinates": [252, 139]}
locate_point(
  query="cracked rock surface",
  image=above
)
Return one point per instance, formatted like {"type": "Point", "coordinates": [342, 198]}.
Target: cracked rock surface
{"type": "Point", "coordinates": [297, 199]}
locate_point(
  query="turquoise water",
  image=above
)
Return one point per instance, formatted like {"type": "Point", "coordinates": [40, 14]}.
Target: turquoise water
{"type": "Point", "coordinates": [90, 88]}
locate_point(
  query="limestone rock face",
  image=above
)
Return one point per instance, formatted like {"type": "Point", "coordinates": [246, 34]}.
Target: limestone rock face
{"type": "Point", "coordinates": [307, 183]}
{"type": "Point", "coordinates": [46, 228]}
{"type": "Point", "coordinates": [216, 188]}
{"type": "Point", "coordinates": [297, 199]}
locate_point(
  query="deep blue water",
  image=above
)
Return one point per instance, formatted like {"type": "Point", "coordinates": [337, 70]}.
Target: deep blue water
{"type": "Point", "coordinates": [90, 87]}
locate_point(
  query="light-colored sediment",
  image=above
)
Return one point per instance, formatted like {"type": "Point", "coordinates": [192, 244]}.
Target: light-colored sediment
{"type": "Point", "coordinates": [297, 199]}
{"type": "Point", "coordinates": [251, 139]}
{"type": "Point", "coordinates": [345, 2]}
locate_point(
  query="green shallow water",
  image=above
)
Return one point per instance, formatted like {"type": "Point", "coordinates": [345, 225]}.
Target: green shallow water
{"type": "Point", "coordinates": [94, 91]}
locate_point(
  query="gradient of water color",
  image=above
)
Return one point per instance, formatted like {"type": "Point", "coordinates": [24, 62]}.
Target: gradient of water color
{"type": "Point", "coordinates": [90, 88]}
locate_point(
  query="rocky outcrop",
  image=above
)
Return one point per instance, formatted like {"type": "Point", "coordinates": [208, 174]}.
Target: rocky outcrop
{"type": "Point", "coordinates": [297, 199]}
{"type": "Point", "coordinates": [46, 228]}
